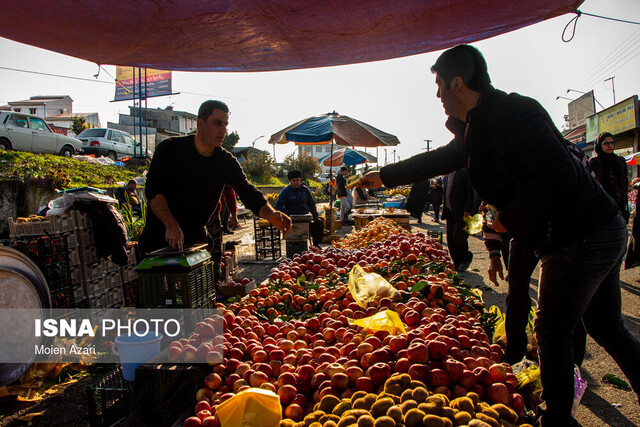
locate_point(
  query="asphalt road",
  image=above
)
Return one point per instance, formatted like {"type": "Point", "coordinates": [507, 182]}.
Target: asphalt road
{"type": "Point", "coordinates": [602, 404]}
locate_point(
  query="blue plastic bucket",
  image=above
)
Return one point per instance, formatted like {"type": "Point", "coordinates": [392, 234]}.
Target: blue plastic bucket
{"type": "Point", "coordinates": [134, 350]}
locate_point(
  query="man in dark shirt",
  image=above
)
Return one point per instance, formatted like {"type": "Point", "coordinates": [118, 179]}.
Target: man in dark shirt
{"type": "Point", "coordinates": [126, 195]}
{"type": "Point", "coordinates": [296, 199]}
{"type": "Point", "coordinates": [185, 181]}
{"type": "Point", "coordinates": [519, 162]}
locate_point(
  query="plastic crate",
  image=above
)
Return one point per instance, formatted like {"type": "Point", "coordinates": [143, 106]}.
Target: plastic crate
{"type": "Point", "coordinates": [48, 225]}
{"type": "Point", "coordinates": [81, 220]}
{"type": "Point", "coordinates": [295, 247]}
{"type": "Point", "coordinates": [130, 291]}
{"type": "Point", "coordinates": [109, 399]}
{"type": "Point", "coordinates": [176, 287]}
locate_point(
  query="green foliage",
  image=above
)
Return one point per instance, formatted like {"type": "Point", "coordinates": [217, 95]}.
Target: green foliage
{"type": "Point", "coordinates": [230, 140]}
{"type": "Point", "coordinates": [61, 173]}
{"type": "Point", "coordinates": [259, 166]}
{"type": "Point", "coordinates": [305, 163]}
{"type": "Point", "coordinates": [78, 124]}
{"type": "Point", "coordinates": [135, 224]}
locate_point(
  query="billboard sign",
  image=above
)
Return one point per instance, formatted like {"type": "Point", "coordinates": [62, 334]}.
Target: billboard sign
{"type": "Point", "coordinates": [158, 83]}
{"type": "Point", "coordinates": [580, 109]}
{"type": "Point", "coordinates": [616, 119]}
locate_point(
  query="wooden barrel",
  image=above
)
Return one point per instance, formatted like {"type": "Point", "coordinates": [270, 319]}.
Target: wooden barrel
{"type": "Point", "coordinates": [22, 285]}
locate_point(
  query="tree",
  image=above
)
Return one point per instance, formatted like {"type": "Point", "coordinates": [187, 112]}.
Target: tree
{"type": "Point", "coordinates": [230, 140]}
{"type": "Point", "coordinates": [305, 163]}
{"type": "Point", "coordinates": [259, 165]}
{"type": "Point", "coordinates": [78, 124]}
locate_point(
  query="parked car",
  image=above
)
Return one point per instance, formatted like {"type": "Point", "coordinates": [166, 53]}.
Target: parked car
{"type": "Point", "coordinates": [111, 143]}
{"type": "Point", "coordinates": [26, 132]}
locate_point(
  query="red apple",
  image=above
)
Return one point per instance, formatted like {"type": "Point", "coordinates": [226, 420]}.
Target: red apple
{"type": "Point", "coordinates": [418, 353]}
{"type": "Point", "coordinates": [213, 381]}
{"type": "Point", "coordinates": [498, 393]}
{"type": "Point", "coordinates": [483, 377]}
{"type": "Point", "coordinates": [287, 393]}
{"type": "Point", "coordinates": [339, 381]}
{"type": "Point", "coordinates": [468, 379]}
{"type": "Point", "coordinates": [212, 421]}
{"type": "Point", "coordinates": [419, 372]}
{"type": "Point", "coordinates": [202, 405]}
{"type": "Point", "coordinates": [379, 373]}
{"type": "Point", "coordinates": [498, 373]}
{"type": "Point", "coordinates": [437, 349]}
{"type": "Point", "coordinates": [294, 412]}
{"type": "Point", "coordinates": [403, 365]}
{"type": "Point", "coordinates": [364, 384]}
{"type": "Point", "coordinates": [439, 377]}
{"type": "Point", "coordinates": [454, 369]}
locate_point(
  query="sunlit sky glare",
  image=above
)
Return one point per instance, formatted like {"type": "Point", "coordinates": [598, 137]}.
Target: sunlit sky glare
{"type": "Point", "coordinates": [397, 96]}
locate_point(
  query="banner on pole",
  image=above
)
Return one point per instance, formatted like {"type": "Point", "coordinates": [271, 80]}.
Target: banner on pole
{"type": "Point", "coordinates": [158, 83]}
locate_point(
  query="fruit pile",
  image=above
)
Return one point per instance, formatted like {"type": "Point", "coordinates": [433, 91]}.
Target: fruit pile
{"type": "Point", "coordinates": [378, 230]}
{"type": "Point", "coordinates": [293, 335]}
{"type": "Point", "coordinates": [304, 361]}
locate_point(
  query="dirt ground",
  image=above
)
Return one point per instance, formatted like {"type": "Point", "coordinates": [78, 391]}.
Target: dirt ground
{"type": "Point", "coordinates": [602, 404]}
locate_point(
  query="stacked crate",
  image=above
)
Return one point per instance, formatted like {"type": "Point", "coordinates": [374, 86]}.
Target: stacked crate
{"type": "Point", "coordinates": [90, 281]}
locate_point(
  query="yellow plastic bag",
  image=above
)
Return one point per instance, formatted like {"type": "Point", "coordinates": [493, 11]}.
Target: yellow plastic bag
{"type": "Point", "coordinates": [499, 331]}
{"type": "Point", "coordinates": [529, 379]}
{"type": "Point", "coordinates": [253, 407]}
{"type": "Point", "coordinates": [387, 320]}
{"type": "Point", "coordinates": [473, 224]}
{"type": "Point", "coordinates": [368, 287]}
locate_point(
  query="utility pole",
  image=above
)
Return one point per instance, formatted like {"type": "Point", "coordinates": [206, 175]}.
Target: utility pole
{"type": "Point", "coordinates": [612, 88]}
{"type": "Point", "coordinates": [428, 141]}
{"type": "Point", "coordinates": [394, 156]}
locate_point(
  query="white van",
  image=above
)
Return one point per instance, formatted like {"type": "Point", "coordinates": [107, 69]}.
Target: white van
{"type": "Point", "coordinates": [111, 143]}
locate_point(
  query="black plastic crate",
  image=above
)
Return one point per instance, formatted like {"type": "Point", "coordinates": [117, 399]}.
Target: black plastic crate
{"type": "Point", "coordinates": [176, 288]}
{"type": "Point", "coordinates": [109, 399]}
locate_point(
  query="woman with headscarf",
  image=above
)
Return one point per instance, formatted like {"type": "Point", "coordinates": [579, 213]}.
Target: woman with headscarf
{"type": "Point", "coordinates": [611, 172]}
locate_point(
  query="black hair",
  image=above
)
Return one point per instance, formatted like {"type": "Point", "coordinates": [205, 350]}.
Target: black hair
{"type": "Point", "coordinates": [207, 107]}
{"type": "Point", "coordinates": [466, 62]}
{"type": "Point", "coordinates": [344, 168]}
{"type": "Point", "coordinates": [294, 174]}
{"type": "Point", "coordinates": [132, 180]}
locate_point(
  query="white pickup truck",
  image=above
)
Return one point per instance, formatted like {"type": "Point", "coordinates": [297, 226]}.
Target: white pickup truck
{"type": "Point", "coordinates": [26, 132]}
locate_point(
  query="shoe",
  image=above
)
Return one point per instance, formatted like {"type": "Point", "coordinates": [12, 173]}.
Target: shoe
{"type": "Point", "coordinates": [226, 231]}
{"type": "Point", "coordinates": [419, 221]}
{"type": "Point", "coordinates": [435, 220]}
{"type": "Point", "coordinates": [464, 266]}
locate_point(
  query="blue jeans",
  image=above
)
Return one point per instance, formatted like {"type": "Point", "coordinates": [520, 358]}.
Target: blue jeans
{"type": "Point", "coordinates": [582, 281]}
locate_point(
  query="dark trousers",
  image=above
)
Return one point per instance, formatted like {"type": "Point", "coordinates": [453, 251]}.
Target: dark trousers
{"type": "Point", "coordinates": [582, 281]}
{"type": "Point", "coordinates": [436, 212]}
{"type": "Point", "coordinates": [214, 228]}
{"type": "Point", "coordinates": [522, 262]}
{"type": "Point", "coordinates": [316, 230]}
{"type": "Point", "coordinates": [457, 240]}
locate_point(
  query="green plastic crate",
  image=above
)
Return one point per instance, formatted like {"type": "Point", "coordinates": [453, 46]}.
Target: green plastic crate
{"type": "Point", "coordinates": [180, 284]}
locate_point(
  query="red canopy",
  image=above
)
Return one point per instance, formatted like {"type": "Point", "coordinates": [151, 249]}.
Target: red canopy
{"type": "Point", "coordinates": [256, 35]}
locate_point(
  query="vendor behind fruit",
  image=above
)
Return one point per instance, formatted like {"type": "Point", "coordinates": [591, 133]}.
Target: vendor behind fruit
{"type": "Point", "coordinates": [185, 180]}
{"type": "Point", "coordinates": [296, 199]}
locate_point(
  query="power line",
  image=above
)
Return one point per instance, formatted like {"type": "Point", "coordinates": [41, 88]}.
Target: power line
{"type": "Point", "coordinates": [614, 54]}
{"type": "Point", "coordinates": [616, 65]}
{"type": "Point", "coordinates": [55, 75]}
{"type": "Point", "coordinates": [607, 17]}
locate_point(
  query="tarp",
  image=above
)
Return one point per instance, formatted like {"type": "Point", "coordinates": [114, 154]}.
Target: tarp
{"type": "Point", "coordinates": [258, 35]}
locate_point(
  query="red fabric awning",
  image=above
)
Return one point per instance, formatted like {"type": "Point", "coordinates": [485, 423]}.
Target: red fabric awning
{"type": "Point", "coordinates": [254, 35]}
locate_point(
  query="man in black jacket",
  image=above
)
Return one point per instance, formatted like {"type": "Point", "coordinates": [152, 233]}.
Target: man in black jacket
{"type": "Point", "coordinates": [518, 162]}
